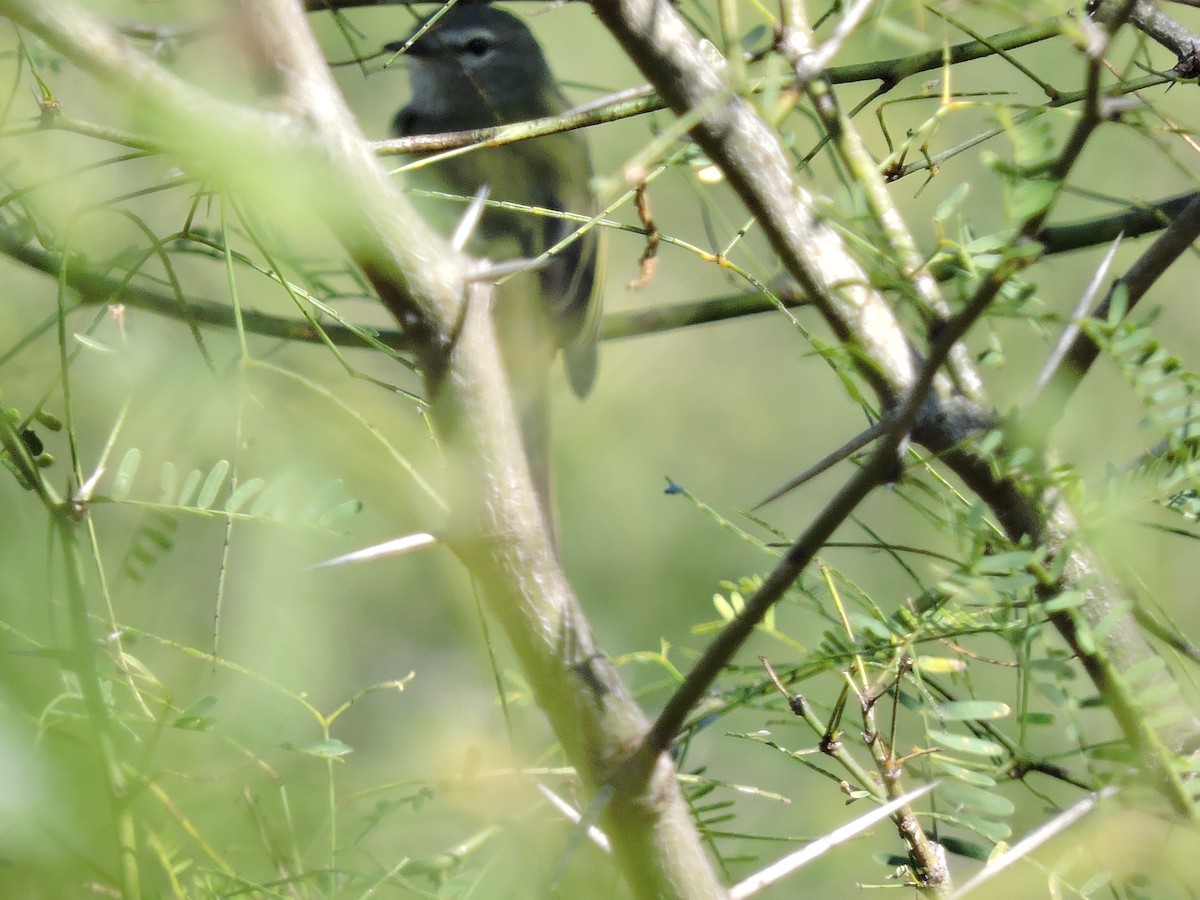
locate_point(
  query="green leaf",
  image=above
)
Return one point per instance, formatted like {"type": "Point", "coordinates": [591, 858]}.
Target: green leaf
{"type": "Point", "coordinates": [1158, 697]}
{"type": "Point", "coordinates": [990, 828]}
{"type": "Point", "coordinates": [1032, 197]}
{"type": "Point", "coordinates": [940, 665]}
{"type": "Point", "coordinates": [960, 710]}
{"type": "Point", "coordinates": [328, 749]}
{"type": "Point", "coordinates": [1032, 138]}
{"type": "Point", "coordinates": [270, 503]}
{"type": "Point", "coordinates": [135, 665]}
{"type": "Point", "coordinates": [1055, 666]}
{"type": "Point", "coordinates": [1053, 693]}
{"type": "Point", "coordinates": [961, 743]}
{"type": "Point", "coordinates": [1152, 665]}
{"type": "Point", "coordinates": [201, 706]}
{"type": "Point", "coordinates": [321, 501]}
{"type": "Point", "coordinates": [49, 420]}
{"type": "Point", "coordinates": [1085, 639]}
{"type": "Point", "coordinates": [126, 472]}
{"type": "Point", "coordinates": [241, 495]}
{"type": "Point", "coordinates": [339, 513]}
{"type": "Point", "coordinates": [969, 776]}
{"type": "Point", "coordinates": [167, 479]}
{"type": "Point", "coordinates": [952, 201]}
{"type": "Point", "coordinates": [194, 718]}
{"type": "Point", "coordinates": [1039, 718]}
{"type": "Point", "coordinates": [1120, 614]}
{"type": "Point", "coordinates": [188, 491]}
{"type": "Point", "coordinates": [1065, 600]}
{"type": "Point", "coordinates": [965, 848]}
{"type": "Point", "coordinates": [1118, 304]}
{"type": "Point", "coordinates": [983, 801]}
{"type": "Point", "coordinates": [1094, 884]}
{"type": "Point", "coordinates": [1004, 563]}
{"type": "Point", "coordinates": [212, 484]}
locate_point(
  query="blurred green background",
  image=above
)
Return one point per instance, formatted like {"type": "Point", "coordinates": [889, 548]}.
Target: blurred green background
{"type": "Point", "coordinates": [728, 411]}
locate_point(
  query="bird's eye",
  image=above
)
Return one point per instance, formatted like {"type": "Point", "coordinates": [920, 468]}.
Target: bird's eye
{"type": "Point", "coordinates": [477, 47]}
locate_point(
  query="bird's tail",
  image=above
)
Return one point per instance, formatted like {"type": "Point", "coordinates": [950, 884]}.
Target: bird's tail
{"type": "Point", "coordinates": [535, 431]}
{"type": "Point", "coordinates": [527, 341]}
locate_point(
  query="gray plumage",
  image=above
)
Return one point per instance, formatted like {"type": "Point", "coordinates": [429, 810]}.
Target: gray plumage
{"type": "Point", "coordinates": [477, 67]}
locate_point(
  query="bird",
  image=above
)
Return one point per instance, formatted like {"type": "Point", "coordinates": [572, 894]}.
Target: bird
{"type": "Point", "coordinates": [476, 67]}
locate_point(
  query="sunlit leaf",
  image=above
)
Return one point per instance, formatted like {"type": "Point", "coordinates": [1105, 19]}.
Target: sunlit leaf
{"type": "Point", "coordinates": [243, 493]}
{"type": "Point", "coordinates": [959, 710]}
{"type": "Point", "coordinates": [962, 743]}
{"type": "Point", "coordinates": [126, 472]}
{"type": "Point", "coordinates": [212, 484]}
{"type": "Point", "coordinates": [188, 491]}
{"type": "Point", "coordinates": [941, 665]}
{"type": "Point", "coordinates": [990, 803]}
{"type": "Point", "coordinates": [328, 749]}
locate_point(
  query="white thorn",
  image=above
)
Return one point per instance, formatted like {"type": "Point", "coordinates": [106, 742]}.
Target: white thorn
{"type": "Point", "coordinates": [470, 219]}
{"type": "Point", "coordinates": [394, 547]}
